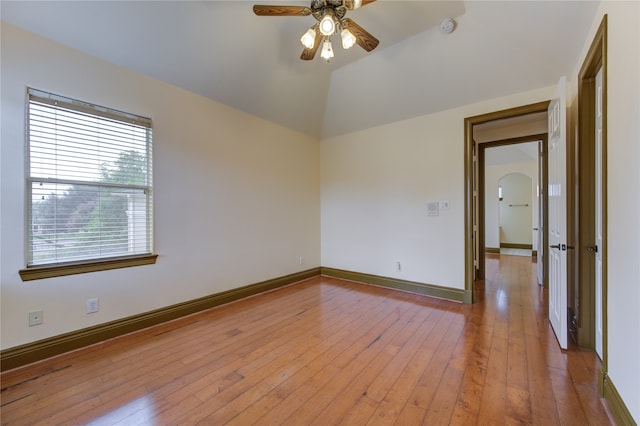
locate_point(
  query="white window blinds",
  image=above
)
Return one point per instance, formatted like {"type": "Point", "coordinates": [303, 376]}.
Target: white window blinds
{"type": "Point", "coordinates": [89, 181]}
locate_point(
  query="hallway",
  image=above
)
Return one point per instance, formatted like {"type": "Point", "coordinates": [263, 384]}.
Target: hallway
{"type": "Point", "coordinates": [556, 387]}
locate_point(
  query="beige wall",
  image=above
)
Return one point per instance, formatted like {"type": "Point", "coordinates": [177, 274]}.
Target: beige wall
{"type": "Point", "coordinates": [375, 187]}
{"type": "Point", "coordinates": [623, 186]}
{"type": "Point", "coordinates": [516, 209]}
{"type": "Point", "coordinates": [236, 197]}
{"type": "Point", "coordinates": [483, 133]}
{"type": "Point", "coordinates": [376, 183]}
{"type": "Point", "coordinates": [252, 192]}
{"type": "Point", "coordinates": [493, 174]}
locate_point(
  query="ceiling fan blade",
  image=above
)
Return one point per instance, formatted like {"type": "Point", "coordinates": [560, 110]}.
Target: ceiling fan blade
{"type": "Point", "coordinates": [363, 38]}
{"type": "Point", "coordinates": [353, 4]}
{"type": "Point", "coordinates": [281, 10]}
{"type": "Point", "coordinates": [308, 54]}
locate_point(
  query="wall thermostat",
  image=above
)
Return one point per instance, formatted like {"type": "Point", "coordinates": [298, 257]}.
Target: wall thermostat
{"type": "Point", "coordinates": [432, 208]}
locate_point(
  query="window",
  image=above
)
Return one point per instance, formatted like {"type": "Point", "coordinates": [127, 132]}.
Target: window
{"type": "Point", "coordinates": [89, 183]}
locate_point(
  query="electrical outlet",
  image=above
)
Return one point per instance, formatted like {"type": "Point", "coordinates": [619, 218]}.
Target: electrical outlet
{"type": "Point", "coordinates": [301, 260]}
{"type": "Point", "coordinates": [35, 318]}
{"type": "Point", "coordinates": [398, 266]}
{"type": "Point", "coordinates": [92, 305]}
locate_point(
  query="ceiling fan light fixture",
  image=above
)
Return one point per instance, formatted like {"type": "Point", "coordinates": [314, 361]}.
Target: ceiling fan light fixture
{"type": "Point", "coordinates": [327, 50]}
{"type": "Point", "coordinates": [348, 39]}
{"type": "Point", "coordinates": [330, 19]}
{"type": "Point", "coordinates": [327, 25]}
{"type": "Point", "coordinates": [308, 39]}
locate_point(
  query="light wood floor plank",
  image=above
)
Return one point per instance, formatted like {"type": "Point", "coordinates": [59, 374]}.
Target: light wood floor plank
{"type": "Point", "coordinates": [327, 351]}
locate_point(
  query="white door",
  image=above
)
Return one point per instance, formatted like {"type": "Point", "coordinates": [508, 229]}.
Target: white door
{"type": "Point", "coordinates": [557, 155]}
{"type": "Point", "coordinates": [598, 245]}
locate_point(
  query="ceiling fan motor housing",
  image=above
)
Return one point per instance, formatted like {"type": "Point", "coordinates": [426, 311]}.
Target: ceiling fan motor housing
{"type": "Point", "coordinates": [319, 8]}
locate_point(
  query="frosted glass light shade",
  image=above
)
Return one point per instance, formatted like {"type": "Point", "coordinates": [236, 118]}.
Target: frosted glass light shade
{"type": "Point", "coordinates": [327, 26]}
{"type": "Point", "coordinates": [327, 50]}
{"type": "Point", "coordinates": [348, 39]}
{"type": "Point", "coordinates": [308, 39]}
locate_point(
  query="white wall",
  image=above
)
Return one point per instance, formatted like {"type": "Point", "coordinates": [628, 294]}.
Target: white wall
{"type": "Point", "coordinates": [376, 182]}
{"type": "Point", "coordinates": [516, 209]}
{"type": "Point", "coordinates": [253, 189]}
{"type": "Point", "coordinates": [623, 186]}
{"type": "Point", "coordinates": [375, 187]}
{"type": "Point", "coordinates": [507, 130]}
{"type": "Point", "coordinates": [236, 197]}
{"type": "Point", "coordinates": [492, 176]}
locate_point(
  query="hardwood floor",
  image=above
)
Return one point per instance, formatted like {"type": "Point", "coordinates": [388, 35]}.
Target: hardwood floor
{"type": "Point", "coordinates": [324, 352]}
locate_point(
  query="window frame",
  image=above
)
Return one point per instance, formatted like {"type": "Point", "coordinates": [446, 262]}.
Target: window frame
{"type": "Point", "coordinates": [63, 268]}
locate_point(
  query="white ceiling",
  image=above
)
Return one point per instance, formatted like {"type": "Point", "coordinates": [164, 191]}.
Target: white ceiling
{"type": "Point", "coordinates": [221, 50]}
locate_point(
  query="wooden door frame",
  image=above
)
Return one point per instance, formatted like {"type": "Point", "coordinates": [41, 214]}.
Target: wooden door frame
{"type": "Point", "coordinates": [595, 59]}
{"type": "Point", "coordinates": [471, 207]}
{"type": "Point", "coordinates": [482, 146]}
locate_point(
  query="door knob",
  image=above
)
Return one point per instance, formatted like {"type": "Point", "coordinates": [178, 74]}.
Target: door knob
{"type": "Point", "coordinates": [592, 249]}
{"type": "Point", "coordinates": [555, 246]}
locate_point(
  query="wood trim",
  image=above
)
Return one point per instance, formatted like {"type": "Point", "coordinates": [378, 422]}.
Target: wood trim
{"type": "Point", "coordinates": [602, 37]}
{"type": "Point", "coordinates": [481, 147]}
{"type": "Point", "coordinates": [595, 59]}
{"type": "Point", "coordinates": [513, 141]}
{"type": "Point", "coordinates": [481, 210]}
{"type": "Point", "coordinates": [601, 377]}
{"type": "Point", "coordinates": [448, 293]}
{"type": "Point", "coordinates": [41, 349]}
{"type": "Point", "coordinates": [72, 268]}
{"type": "Point", "coordinates": [616, 404]}
{"type": "Point", "coordinates": [509, 113]}
{"type": "Point", "coordinates": [494, 250]}
{"type": "Point", "coordinates": [469, 206]}
{"type": "Point", "coordinates": [544, 204]}
{"type": "Point", "coordinates": [517, 246]}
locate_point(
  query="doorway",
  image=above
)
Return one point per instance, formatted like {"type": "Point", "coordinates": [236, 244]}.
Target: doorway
{"type": "Point", "coordinates": [587, 217]}
{"type": "Point", "coordinates": [511, 208]}
{"type": "Point", "coordinates": [475, 145]}
{"type": "Point", "coordinates": [515, 211]}
{"type": "Point", "coordinates": [592, 204]}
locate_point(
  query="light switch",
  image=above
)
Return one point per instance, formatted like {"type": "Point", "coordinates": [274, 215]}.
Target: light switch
{"type": "Point", "coordinates": [444, 204]}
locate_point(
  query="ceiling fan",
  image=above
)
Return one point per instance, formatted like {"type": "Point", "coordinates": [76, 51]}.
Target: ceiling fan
{"type": "Point", "coordinates": [330, 15]}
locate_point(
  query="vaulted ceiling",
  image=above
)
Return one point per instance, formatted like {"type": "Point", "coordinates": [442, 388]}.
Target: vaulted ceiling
{"type": "Point", "coordinates": [221, 50]}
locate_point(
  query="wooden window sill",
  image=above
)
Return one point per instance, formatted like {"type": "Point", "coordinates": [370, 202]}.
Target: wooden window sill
{"type": "Point", "coordinates": [72, 268]}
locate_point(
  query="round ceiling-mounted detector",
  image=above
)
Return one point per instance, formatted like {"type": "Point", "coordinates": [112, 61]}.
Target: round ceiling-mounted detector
{"type": "Point", "coordinates": [447, 26]}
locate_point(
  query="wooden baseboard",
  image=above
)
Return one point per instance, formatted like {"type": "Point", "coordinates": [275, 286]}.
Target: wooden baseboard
{"type": "Point", "coordinates": [616, 405]}
{"type": "Point", "coordinates": [41, 349]}
{"type": "Point", "coordinates": [516, 246]}
{"type": "Point", "coordinates": [454, 294]}
{"type": "Point", "coordinates": [492, 250]}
